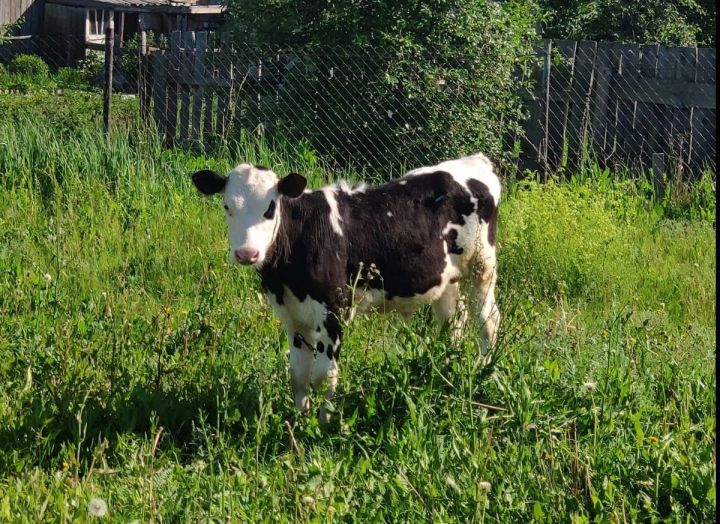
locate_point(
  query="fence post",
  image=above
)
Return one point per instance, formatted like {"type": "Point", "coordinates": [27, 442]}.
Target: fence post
{"type": "Point", "coordinates": [143, 73]}
{"type": "Point", "coordinates": [107, 89]}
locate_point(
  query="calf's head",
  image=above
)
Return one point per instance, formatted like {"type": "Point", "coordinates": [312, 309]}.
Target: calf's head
{"type": "Point", "coordinates": [252, 196]}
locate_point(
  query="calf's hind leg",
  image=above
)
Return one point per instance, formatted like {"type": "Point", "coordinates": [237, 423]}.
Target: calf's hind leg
{"type": "Point", "coordinates": [484, 276]}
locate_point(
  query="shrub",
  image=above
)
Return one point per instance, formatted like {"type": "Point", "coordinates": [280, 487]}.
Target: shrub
{"type": "Point", "coordinates": [69, 77]}
{"type": "Point", "coordinates": [399, 81]}
{"type": "Point", "coordinates": [29, 66]}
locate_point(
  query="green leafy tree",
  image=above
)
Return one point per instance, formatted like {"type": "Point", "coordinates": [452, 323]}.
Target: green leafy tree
{"type": "Point", "coordinates": [670, 22]}
{"type": "Point", "coordinates": [406, 80]}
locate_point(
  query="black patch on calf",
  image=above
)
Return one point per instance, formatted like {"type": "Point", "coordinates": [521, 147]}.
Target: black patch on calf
{"type": "Point", "coordinates": [330, 352]}
{"type": "Point", "coordinates": [270, 213]}
{"type": "Point", "coordinates": [321, 347]}
{"type": "Point", "coordinates": [208, 182]}
{"type": "Point", "coordinates": [486, 208]}
{"type": "Point", "coordinates": [407, 249]}
{"type": "Point", "coordinates": [451, 240]}
{"type": "Point", "coordinates": [297, 341]}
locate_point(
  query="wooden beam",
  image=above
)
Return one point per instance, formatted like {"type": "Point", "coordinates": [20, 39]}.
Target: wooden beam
{"type": "Point", "coordinates": [674, 93]}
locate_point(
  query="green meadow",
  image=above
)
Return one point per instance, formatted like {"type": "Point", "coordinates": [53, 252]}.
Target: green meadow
{"type": "Point", "coordinates": [139, 367]}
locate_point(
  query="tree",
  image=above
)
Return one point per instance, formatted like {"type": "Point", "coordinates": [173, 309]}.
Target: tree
{"type": "Point", "coordinates": [423, 79]}
{"type": "Point", "coordinates": [670, 22]}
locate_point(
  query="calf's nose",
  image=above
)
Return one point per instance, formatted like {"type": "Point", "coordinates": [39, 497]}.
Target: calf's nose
{"type": "Point", "coordinates": [246, 255]}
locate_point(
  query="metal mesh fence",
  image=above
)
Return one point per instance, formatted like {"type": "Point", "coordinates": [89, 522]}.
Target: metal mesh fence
{"type": "Point", "coordinates": [618, 105]}
{"type": "Point", "coordinates": [359, 106]}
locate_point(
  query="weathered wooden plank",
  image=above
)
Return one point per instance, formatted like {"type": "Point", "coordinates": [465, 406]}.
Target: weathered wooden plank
{"type": "Point", "coordinates": [704, 123]}
{"type": "Point", "coordinates": [628, 141]}
{"type": "Point", "coordinates": [644, 112]}
{"type": "Point", "coordinates": [560, 81]}
{"type": "Point", "coordinates": [601, 102]}
{"type": "Point", "coordinates": [209, 93]}
{"type": "Point", "coordinates": [533, 156]}
{"type": "Point", "coordinates": [186, 71]}
{"type": "Point", "coordinates": [223, 105]}
{"type": "Point", "coordinates": [579, 100]}
{"type": "Point", "coordinates": [662, 113]}
{"type": "Point", "coordinates": [173, 74]}
{"type": "Point", "coordinates": [673, 93]}
{"type": "Point", "coordinates": [681, 149]}
{"type": "Point", "coordinates": [199, 74]}
{"type": "Point", "coordinates": [613, 51]}
{"type": "Point", "coordinates": [158, 62]}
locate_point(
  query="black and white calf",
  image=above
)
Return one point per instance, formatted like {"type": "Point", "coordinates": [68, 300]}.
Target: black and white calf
{"type": "Point", "coordinates": [324, 254]}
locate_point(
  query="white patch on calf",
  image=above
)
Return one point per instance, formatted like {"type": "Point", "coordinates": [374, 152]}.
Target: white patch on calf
{"type": "Point", "coordinates": [335, 217]}
{"type": "Point", "coordinates": [247, 196]}
{"type": "Point", "coordinates": [476, 167]}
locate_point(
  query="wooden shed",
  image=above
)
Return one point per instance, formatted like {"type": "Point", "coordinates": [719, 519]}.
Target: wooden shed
{"type": "Point", "coordinates": [87, 19]}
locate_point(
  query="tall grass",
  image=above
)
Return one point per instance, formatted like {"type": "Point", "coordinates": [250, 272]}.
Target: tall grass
{"type": "Point", "coordinates": [138, 366]}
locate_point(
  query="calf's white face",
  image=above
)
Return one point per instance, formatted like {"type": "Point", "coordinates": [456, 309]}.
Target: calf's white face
{"type": "Point", "coordinates": [252, 197]}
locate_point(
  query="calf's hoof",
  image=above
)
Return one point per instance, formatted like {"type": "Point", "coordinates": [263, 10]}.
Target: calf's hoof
{"type": "Point", "coordinates": [324, 415]}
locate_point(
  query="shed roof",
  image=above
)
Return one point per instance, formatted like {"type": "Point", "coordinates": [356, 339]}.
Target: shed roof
{"type": "Point", "coordinates": [167, 6]}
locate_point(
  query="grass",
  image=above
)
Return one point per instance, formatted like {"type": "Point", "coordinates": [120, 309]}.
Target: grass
{"type": "Point", "coordinates": [139, 367]}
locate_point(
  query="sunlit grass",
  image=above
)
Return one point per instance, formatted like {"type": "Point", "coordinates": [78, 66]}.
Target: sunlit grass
{"type": "Point", "coordinates": [138, 367]}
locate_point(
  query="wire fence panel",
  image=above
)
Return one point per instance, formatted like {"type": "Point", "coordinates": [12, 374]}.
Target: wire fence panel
{"type": "Point", "coordinates": [631, 106]}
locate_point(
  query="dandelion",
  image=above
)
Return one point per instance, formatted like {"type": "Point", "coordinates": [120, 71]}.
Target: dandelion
{"type": "Point", "coordinates": [97, 507]}
{"type": "Point", "coordinates": [590, 386]}
{"type": "Point", "coordinates": [47, 277]}
{"type": "Point", "coordinates": [308, 500]}
{"type": "Point", "coordinates": [484, 486]}
{"type": "Point", "coordinates": [653, 439]}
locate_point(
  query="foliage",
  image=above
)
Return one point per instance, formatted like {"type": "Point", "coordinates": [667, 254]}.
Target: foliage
{"type": "Point", "coordinates": [426, 80]}
{"type": "Point", "coordinates": [31, 67]}
{"type": "Point", "coordinates": [137, 366]}
{"type": "Point", "coordinates": [670, 22]}
{"type": "Point", "coordinates": [7, 29]}
{"type": "Point", "coordinates": [69, 112]}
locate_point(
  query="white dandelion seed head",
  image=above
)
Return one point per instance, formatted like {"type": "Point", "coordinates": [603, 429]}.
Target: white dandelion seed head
{"type": "Point", "coordinates": [590, 386]}
{"type": "Point", "coordinates": [97, 507]}
{"type": "Point", "coordinates": [47, 277]}
{"type": "Point", "coordinates": [484, 485]}
{"type": "Point", "coordinates": [308, 500]}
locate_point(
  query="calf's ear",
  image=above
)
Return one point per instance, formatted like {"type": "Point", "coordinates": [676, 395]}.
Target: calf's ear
{"type": "Point", "coordinates": [209, 182]}
{"type": "Point", "coordinates": [292, 185]}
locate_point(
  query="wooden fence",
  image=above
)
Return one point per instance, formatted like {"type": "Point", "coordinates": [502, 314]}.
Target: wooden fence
{"type": "Point", "coordinates": [634, 105]}
{"type": "Point", "coordinates": [623, 104]}
{"type": "Point", "coordinates": [186, 90]}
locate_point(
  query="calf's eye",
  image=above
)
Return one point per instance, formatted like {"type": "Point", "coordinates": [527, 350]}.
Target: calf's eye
{"type": "Point", "coordinates": [270, 210]}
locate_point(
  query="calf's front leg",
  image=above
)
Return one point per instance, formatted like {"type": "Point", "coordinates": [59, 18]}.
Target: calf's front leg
{"type": "Point", "coordinates": [314, 354]}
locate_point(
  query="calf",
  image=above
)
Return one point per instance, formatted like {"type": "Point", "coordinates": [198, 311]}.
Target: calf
{"type": "Point", "coordinates": [322, 255]}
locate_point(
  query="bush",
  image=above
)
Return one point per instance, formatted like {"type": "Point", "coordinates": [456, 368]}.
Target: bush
{"type": "Point", "coordinates": [29, 66]}
{"type": "Point", "coordinates": [69, 77]}
{"type": "Point", "coordinates": [402, 81]}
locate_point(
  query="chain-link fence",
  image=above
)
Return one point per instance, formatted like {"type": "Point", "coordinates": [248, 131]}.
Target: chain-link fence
{"type": "Point", "coordinates": [364, 107]}
{"type": "Point", "coordinates": [622, 106]}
